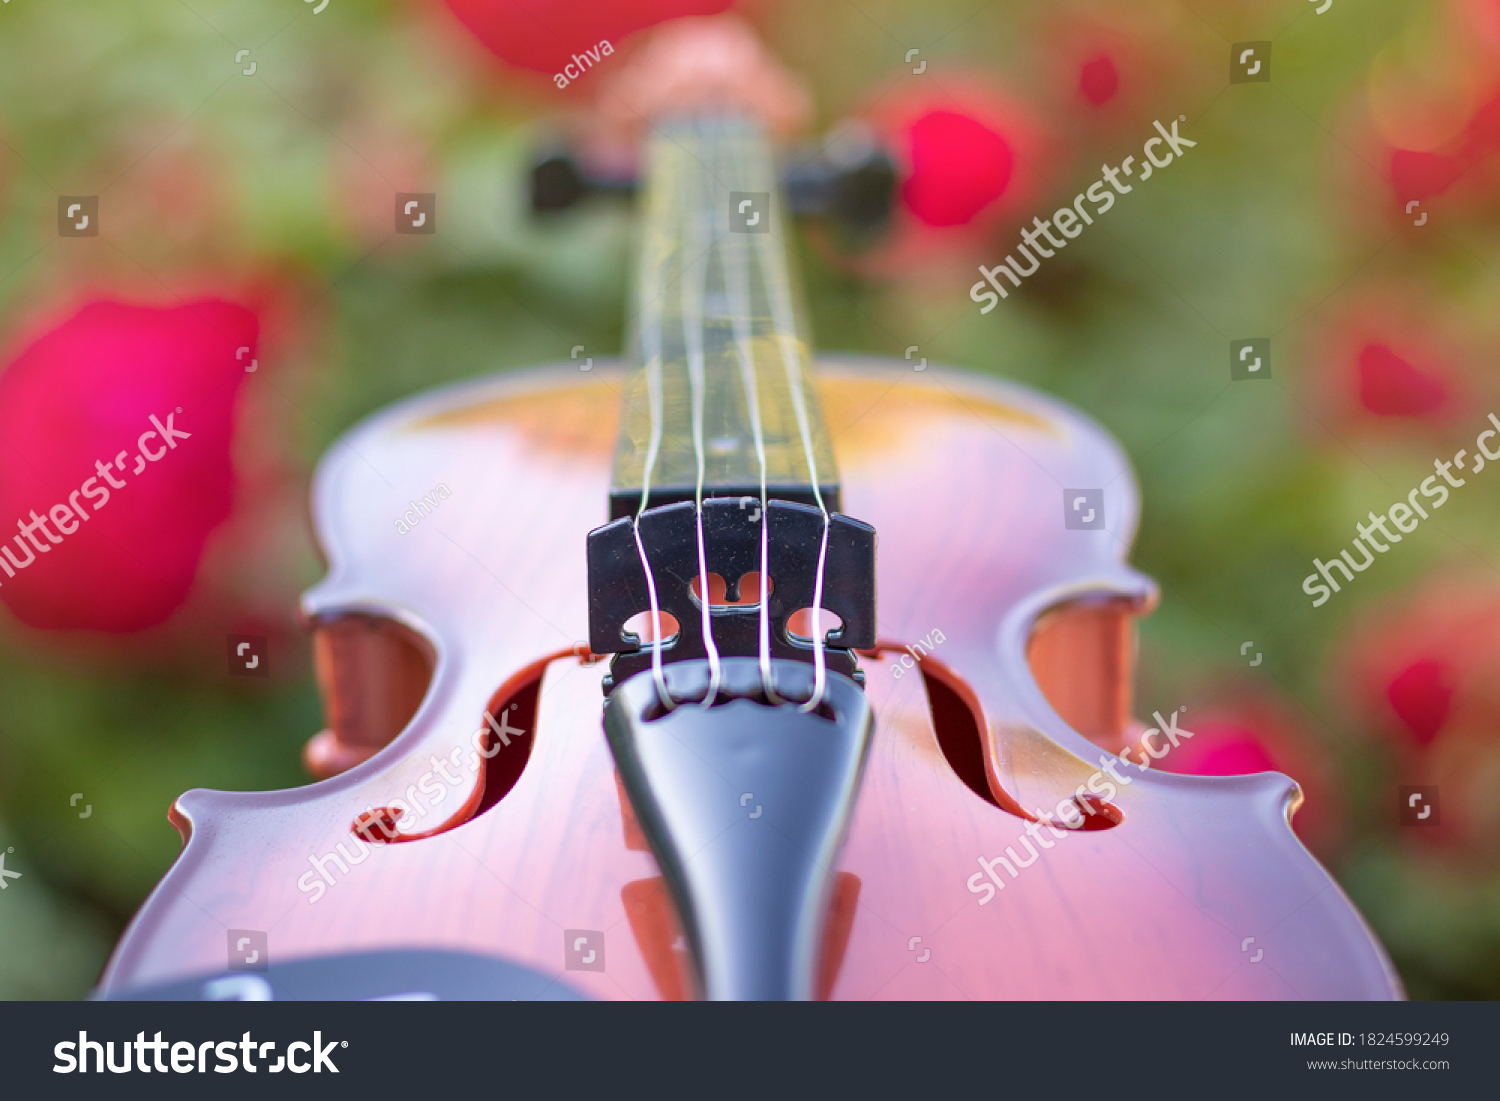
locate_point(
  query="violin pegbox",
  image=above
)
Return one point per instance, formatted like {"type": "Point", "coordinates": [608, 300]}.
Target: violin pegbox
{"type": "Point", "coordinates": [732, 549]}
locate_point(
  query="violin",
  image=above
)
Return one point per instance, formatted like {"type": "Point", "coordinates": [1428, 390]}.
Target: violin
{"type": "Point", "coordinates": [729, 671]}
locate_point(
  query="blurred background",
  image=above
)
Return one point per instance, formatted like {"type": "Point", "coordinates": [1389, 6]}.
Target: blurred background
{"type": "Point", "coordinates": [245, 154]}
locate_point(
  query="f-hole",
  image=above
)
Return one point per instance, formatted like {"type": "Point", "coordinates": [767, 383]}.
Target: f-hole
{"type": "Point", "coordinates": [503, 764]}
{"type": "Point", "coordinates": [957, 722]}
{"type": "Point", "coordinates": [958, 733]}
{"type": "Point", "coordinates": [501, 753]}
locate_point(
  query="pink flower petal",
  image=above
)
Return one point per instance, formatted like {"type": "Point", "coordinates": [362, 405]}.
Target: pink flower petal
{"type": "Point", "coordinates": [1391, 387]}
{"type": "Point", "coordinates": [958, 167]}
{"type": "Point", "coordinates": [84, 394]}
{"type": "Point", "coordinates": [1099, 80]}
{"type": "Point", "coordinates": [1421, 695]}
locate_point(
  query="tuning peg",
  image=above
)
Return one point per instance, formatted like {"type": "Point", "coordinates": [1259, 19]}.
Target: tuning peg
{"type": "Point", "coordinates": [559, 181]}
{"type": "Point", "coordinates": [848, 177]}
{"type": "Point", "coordinates": [556, 184]}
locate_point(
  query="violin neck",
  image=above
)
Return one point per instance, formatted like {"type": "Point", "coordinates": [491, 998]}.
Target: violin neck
{"type": "Point", "coordinates": [719, 394]}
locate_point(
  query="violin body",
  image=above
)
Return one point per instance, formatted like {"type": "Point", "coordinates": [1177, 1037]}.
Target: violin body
{"type": "Point", "coordinates": [536, 851]}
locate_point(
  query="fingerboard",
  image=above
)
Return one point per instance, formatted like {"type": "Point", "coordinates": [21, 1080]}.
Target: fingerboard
{"type": "Point", "coordinates": [716, 314]}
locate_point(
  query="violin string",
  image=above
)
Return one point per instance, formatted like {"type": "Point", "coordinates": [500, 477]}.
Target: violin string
{"type": "Point", "coordinates": [694, 289]}
{"type": "Point", "coordinates": [655, 257]}
{"type": "Point", "coordinates": [736, 277]}
{"type": "Point", "coordinates": [776, 275]}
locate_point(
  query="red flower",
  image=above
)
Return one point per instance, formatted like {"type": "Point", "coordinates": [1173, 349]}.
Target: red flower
{"type": "Point", "coordinates": [1424, 174]}
{"type": "Point", "coordinates": [1393, 363]}
{"type": "Point", "coordinates": [115, 430]}
{"type": "Point", "coordinates": [543, 35]}
{"type": "Point", "coordinates": [1392, 387]}
{"type": "Point", "coordinates": [969, 158]}
{"type": "Point", "coordinates": [1221, 748]}
{"type": "Point", "coordinates": [1420, 175]}
{"type": "Point", "coordinates": [1263, 735]}
{"type": "Point", "coordinates": [1437, 132]}
{"type": "Point", "coordinates": [1099, 80]}
{"type": "Point", "coordinates": [958, 167]}
{"type": "Point", "coordinates": [1421, 696]}
{"type": "Point", "coordinates": [1423, 669]}
{"type": "Point", "coordinates": [1484, 128]}
{"type": "Point", "coordinates": [1424, 665]}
